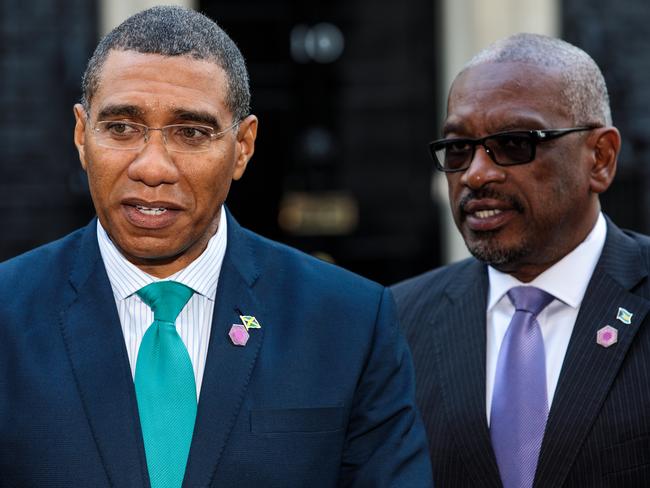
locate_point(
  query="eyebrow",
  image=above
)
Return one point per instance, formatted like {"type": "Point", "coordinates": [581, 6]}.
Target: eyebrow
{"type": "Point", "coordinates": [521, 125]}
{"type": "Point", "coordinates": [451, 127]}
{"type": "Point", "coordinates": [132, 111]}
{"type": "Point", "coordinates": [199, 117]}
{"type": "Point", "coordinates": [120, 111]}
{"type": "Point", "coordinates": [457, 127]}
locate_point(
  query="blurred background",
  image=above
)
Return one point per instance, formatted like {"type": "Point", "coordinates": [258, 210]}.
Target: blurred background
{"type": "Point", "coordinates": [348, 93]}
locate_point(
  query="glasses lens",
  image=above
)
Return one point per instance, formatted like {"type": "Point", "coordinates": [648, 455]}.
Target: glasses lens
{"type": "Point", "coordinates": [188, 138]}
{"type": "Point", "coordinates": [119, 135]}
{"type": "Point", "coordinates": [130, 136]}
{"type": "Point", "coordinates": [454, 154]}
{"type": "Point", "coordinates": [511, 148]}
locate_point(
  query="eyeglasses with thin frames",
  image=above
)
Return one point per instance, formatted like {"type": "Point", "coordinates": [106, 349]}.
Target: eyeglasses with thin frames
{"type": "Point", "coordinates": [504, 148]}
{"type": "Point", "coordinates": [132, 136]}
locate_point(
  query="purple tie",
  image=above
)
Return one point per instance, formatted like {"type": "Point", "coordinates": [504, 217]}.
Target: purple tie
{"type": "Point", "coordinates": [519, 402]}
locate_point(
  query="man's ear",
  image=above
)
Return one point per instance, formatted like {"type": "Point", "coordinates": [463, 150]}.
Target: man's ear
{"type": "Point", "coordinates": [245, 145]}
{"type": "Point", "coordinates": [606, 146]}
{"type": "Point", "coordinates": [80, 132]}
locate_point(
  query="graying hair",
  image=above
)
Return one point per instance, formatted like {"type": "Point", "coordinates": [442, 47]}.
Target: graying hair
{"type": "Point", "coordinates": [584, 90]}
{"type": "Point", "coordinates": [174, 31]}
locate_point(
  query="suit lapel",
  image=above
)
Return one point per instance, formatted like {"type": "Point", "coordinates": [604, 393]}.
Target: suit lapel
{"type": "Point", "coordinates": [590, 369]}
{"type": "Point", "coordinates": [95, 345]}
{"type": "Point", "coordinates": [228, 367]}
{"type": "Point", "coordinates": [460, 340]}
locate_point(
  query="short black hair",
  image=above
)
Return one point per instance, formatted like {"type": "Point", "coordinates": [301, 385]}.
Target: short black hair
{"type": "Point", "coordinates": [174, 31]}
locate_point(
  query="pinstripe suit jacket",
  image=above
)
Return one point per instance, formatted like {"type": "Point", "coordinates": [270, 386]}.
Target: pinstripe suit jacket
{"type": "Point", "coordinates": [598, 430]}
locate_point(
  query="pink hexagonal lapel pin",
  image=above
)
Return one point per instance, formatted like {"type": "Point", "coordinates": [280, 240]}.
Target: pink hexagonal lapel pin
{"type": "Point", "coordinates": [238, 335]}
{"type": "Point", "coordinates": [607, 336]}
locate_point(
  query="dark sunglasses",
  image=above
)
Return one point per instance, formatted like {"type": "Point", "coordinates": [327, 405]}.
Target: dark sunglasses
{"type": "Point", "coordinates": [504, 148]}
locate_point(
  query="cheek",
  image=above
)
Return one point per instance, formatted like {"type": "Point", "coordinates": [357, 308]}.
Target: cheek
{"type": "Point", "coordinates": [453, 187]}
{"type": "Point", "coordinates": [566, 187]}
{"type": "Point", "coordinates": [96, 178]}
{"type": "Point", "coordinates": [550, 200]}
{"type": "Point", "coordinates": [210, 183]}
{"type": "Point", "coordinates": [105, 175]}
{"type": "Point", "coordinates": [101, 178]}
{"type": "Point", "coordinates": [454, 191]}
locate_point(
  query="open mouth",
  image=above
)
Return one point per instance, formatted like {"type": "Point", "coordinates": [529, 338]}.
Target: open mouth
{"type": "Point", "coordinates": [151, 211]}
{"type": "Point", "coordinates": [486, 214]}
{"type": "Point", "coordinates": [151, 215]}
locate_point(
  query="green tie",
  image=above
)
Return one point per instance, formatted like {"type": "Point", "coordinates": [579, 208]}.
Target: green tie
{"type": "Point", "coordinates": [165, 386]}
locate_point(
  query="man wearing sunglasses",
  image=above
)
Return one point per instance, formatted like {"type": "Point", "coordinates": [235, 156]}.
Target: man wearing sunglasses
{"type": "Point", "coordinates": [532, 356]}
{"type": "Point", "coordinates": [164, 345]}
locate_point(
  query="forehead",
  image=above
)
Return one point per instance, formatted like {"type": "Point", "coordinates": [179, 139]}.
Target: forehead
{"type": "Point", "coordinates": [158, 85]}
{"type": "Point", "coordinates": [491, 97]}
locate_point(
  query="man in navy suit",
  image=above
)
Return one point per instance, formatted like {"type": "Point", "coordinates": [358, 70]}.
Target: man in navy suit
{"type": "Point", "coordinates": [528, 148]}
{"type": "Point", "coordinates": [300, 372]}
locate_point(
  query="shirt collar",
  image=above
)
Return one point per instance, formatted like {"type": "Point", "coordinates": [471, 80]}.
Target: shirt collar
{"type": "Point", "coordinates": [566, 280]}
{"type": "Point", "coordinates": [202, 274]}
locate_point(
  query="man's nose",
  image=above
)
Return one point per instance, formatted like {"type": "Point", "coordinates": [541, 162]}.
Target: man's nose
{"type": "Point", "coordinates": [151, 130]}
{"type": "Point", "coordinates": [154, 164]}
{"type": "Point", "coordinates": [482, 170]}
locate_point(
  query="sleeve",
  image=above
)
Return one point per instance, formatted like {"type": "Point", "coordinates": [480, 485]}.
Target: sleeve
{"type": "Point", "coordinates": [386, 444]}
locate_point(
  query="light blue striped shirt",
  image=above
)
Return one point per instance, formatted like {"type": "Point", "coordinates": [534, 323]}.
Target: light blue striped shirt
{"type": "Point", "coordinates": [195, 320]}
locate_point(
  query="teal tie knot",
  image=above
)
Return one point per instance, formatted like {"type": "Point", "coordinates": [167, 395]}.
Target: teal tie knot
{"type": "Point", "coordinates": [166, 299]}
{"type": "Point", "coordinates": [165, 386]}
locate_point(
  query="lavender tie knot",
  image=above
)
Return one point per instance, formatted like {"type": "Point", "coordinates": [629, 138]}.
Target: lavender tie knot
{"type": "Point", "coordinates": [519, 401]}
{"type": "Point", "coordinates": [529, 299]}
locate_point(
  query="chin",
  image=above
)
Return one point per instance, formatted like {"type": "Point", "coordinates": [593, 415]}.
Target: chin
{"type": "Point", "coordinates": [496, 254]}
{"type": "Point", "coordinates": [148, 249]}
{"type": "Point", "coordinates": [160, 254]}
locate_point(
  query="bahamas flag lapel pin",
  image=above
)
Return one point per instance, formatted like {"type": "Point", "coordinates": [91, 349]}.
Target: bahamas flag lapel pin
{"type": "Point", "coordinates": [624, 316]}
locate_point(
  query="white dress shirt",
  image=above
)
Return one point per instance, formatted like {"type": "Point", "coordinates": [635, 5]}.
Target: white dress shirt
{"type": "Point", "coordinates": [193, 323]}
{"type": "Point", "coordinates": [567, 281]}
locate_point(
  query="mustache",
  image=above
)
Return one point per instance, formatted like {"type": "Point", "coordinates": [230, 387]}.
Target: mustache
{"type": "Point", "coordinates": [492, 194]}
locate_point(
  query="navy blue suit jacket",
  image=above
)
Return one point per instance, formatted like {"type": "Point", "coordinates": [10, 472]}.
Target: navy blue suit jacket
{"type": "Point", "coordinates": [321, 396]}
{"type": "Point", "coordinates": [598, 429]}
